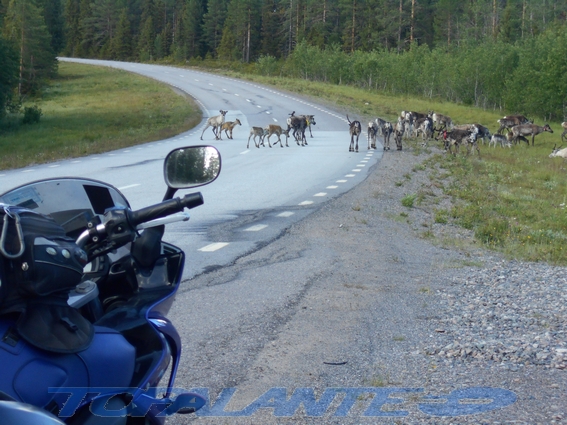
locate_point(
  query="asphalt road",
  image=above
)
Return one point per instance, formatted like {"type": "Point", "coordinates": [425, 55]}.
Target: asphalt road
{"type": "Point", "coordinates": [259, 193]}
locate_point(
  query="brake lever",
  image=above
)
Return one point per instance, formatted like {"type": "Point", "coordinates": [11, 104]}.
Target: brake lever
{"type": "Point", "coordinates": [182, 216]}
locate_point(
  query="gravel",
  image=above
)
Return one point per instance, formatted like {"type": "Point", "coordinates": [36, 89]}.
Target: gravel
{"type": "Point", "coordinates": [366, 292]}
{"type": "Point", "coordinates": [512, 314]}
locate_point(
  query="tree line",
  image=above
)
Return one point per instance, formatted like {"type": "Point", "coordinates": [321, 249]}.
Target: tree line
{"type": "Point", "coordinates": [476, 52]}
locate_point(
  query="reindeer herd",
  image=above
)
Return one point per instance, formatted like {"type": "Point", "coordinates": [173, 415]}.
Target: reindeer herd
{"type": "Point", "coordinates": [297, 124]}
{"type": "Point", "coordinates": [434, 126]}
{"type": "Point", "coordinates": [512, 130]}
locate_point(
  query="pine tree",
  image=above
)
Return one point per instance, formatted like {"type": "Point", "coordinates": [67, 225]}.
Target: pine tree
{"type": "Point", "coordinates": [53, 16]}
{"type": "Point", "coordinates": [122, 40]}
{"type": "Point", "coordinates": [25, 27]}
{"type": "Point", "coordinates": [8, 73]}
{"type": "Point", "coordinates": [99, 26]}
{"type": "Point", "coordinates": [191, 28]}
{"type": "Point", "coordinates": [72, 27]}
{"type": "Point", "coordinates": [146, 40]}
{"type": "Point", "coordinates": [213, 24]}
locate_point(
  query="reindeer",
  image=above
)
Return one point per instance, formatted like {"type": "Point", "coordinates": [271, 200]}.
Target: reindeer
{"type": "Point", "coordinates": [215, 122]}
{"type": "Point", "coordinates": [410, 118]}
{"type": "Point", "coordinates": [387, 131]}
{"type": "Point", "coordinates": [529, 130]}
{"type": "Point", "coordinates": [510, 137]}
{"type": "Point", "coordinates": [272, 129]}
{"type": "Point", "coordinates": [257, 132]}
{"type": "Point", "coordinates": [398, 131]}
{"type": "Point", "coordinates": [483, 133]}
{"type": "Point", "coordinates": [425, 127]}
{"type": "Point", "coordinates": [509, 121]}
{"type": "Point", "coordinates": [228, 126]}
{"type": "Point", "coordinates": [558, 152]}
{"type": "Point", "coordinates": [310, 120]}
{"type": "Point", "coordinates": [355, 128]}
{"type": "Point", "coordinates": [441, 121]}
{"type": "Point", "coordinates": [457, 137]}
{"type": "Point", "coordinates": [564, 134]}
{"type": "Point", "coordinates": [298, 124]}
{"type": "Point", "coordinates": [374, 128]}
{"type": "Point", "coordinates": [499, 139]}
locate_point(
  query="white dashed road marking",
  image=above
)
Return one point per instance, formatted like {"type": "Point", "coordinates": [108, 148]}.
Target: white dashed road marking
{"type": "Point", "coordinates": [286, 214]}
{"type": "Point", "coordinates": [306, 203]}
{"type": "Point", "coordinates": [213, 247]}
{"type": "Point", "coordinates": [128, 187]}
{"type": "Point", "coordinates": [256, 228]}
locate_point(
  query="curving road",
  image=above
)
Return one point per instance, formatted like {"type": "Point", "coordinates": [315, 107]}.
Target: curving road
{"type": "Point", "coordinates": [259, 193]}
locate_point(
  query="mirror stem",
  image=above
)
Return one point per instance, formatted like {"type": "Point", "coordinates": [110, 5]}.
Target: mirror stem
{"type": "Point", "coordinates": [169, 194]}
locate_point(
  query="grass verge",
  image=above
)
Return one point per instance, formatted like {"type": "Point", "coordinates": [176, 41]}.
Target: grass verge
{"type": "Point", "coordinates": [92, 109]}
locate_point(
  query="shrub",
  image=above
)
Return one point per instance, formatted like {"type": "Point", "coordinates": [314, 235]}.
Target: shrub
{"type": "Point", "coordinates": [31, 115]}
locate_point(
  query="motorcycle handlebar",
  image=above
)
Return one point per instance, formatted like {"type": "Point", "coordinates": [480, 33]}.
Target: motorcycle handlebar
{"type": "Point", "coordinates": [165, 208]}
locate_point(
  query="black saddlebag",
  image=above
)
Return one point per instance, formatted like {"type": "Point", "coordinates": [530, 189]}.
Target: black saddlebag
{"type": "Point", "coordinates": [38, 267]}
{"type": "Point", "coordinates": [39, 259]}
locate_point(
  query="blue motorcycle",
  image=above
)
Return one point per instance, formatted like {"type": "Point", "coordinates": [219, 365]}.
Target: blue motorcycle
{"type": "Point", "coordinates": [85, 287]}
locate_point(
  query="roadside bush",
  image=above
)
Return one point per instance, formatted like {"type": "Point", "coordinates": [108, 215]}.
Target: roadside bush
{"type": "Point", "coordinates": [32, 115]}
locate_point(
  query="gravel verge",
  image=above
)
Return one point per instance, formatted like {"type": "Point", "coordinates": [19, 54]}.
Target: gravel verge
{"type": "Point", "coordinates": [378, 295]}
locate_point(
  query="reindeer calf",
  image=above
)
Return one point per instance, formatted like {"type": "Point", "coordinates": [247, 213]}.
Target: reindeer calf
{"type": "Point", "coordinates": [272, 129]}
{"type": "Point", "coordinates": [257, 132]}
{"type": "Point", "coordinates": [228, 126]}
{"type": "Point", "coordinates": [499, 139]}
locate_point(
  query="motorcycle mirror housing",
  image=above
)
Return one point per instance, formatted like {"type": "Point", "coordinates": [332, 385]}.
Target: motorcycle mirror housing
{"type": "Point", "coordinates": [191, 166]}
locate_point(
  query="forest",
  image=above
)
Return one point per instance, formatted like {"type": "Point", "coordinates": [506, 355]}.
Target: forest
{"type": "Point", "coordinates": [509, 55]}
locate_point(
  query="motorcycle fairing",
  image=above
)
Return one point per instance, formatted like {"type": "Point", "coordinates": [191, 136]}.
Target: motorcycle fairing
{"type": "Point", "coordinates": [28, 373]}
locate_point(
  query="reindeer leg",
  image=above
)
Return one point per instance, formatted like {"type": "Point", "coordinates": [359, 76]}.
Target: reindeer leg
{"type": "Point", "coordinates": [204, 131]}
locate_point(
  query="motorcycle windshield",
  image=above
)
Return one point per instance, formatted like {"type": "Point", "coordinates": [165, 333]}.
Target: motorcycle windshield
{"type": "Point", "coordinates": [71, 202]}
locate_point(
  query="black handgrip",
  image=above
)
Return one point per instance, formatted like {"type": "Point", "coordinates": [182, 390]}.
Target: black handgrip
{"type": "Point", "coordinates": [193, 200]}
{"type": "Point", "coordinates": [165, 208]}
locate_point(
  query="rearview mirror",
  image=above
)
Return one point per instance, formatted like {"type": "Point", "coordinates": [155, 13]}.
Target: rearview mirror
{"type": "Point", "coordinates": [191, 166]}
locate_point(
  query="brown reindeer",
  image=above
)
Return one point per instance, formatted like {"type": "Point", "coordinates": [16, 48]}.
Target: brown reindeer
{"type": "Point", "coordinates": [228, 126]}
{"type": "Point", "coordinates": [355, 128]}
{"type": "Point", "coordinates": [509, 121]}
{"type": "Point", "coordinates": [272, 129]}
{"type": "Point", "coordinates": [529, 130]}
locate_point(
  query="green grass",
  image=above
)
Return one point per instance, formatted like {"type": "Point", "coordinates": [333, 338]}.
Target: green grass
{"type": "Point", "coordinates": [91, 109]}
{"type": "Point", "coordinates": [408, 200]}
